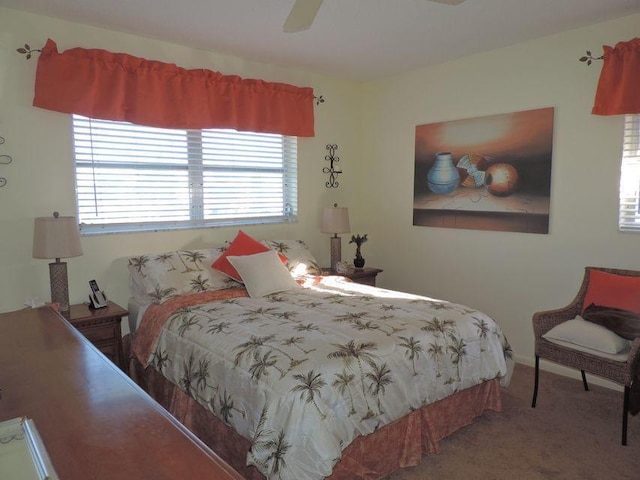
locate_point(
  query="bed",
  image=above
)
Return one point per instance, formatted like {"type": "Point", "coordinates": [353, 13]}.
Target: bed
{"type": "Point", "coordinates": [320, 378]}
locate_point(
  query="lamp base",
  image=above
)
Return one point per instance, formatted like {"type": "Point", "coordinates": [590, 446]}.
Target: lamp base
{"type": "Point", "coordinates": [59, 285]}
{"type": "Point", "coordinates": [336, 251]}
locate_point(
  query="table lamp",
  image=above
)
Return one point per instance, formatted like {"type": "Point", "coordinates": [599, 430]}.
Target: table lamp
{"type": "Point", "coordinates": [57, 237]}
{"type": "Point", "coordinates": [335, 220]}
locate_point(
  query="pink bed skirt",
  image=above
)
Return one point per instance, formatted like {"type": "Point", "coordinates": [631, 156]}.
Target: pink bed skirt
{"type": "Point", "coordinates": [397, 445]}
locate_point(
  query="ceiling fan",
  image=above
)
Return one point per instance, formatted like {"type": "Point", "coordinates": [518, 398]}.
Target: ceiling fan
{"type": "Point", "coordinates": [304, 11]}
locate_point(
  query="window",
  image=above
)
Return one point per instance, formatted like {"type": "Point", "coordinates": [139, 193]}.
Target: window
{"type": "Point", "coordinates": [134, 178]}
{"type": "Point", "coordinates": [630, 176]}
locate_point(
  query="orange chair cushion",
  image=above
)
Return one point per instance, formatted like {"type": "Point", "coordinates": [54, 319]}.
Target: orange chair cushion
{"type": "Point", "coordinates": [243, 244]}
{"type": "Point", "coordinates": [611, 290]}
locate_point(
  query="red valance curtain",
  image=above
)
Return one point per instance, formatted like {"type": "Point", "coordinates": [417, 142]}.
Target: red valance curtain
{"type": "Point", "coordinates": [115, 86]}
{"type": "Point", "coordinates": [619, 85]}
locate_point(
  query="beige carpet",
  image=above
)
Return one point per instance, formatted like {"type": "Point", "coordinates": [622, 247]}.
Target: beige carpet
{"type": "Point", "coordinates": [571, 434]}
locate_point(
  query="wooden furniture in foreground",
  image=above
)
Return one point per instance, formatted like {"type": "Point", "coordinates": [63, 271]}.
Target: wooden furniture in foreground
{"type": "Point", "coordinates": [621, 372]}
{"type": "Point", "coordinates": [365, 276]}
{"type": "Point", "coordinates": [102, 327]}
{"type": "Point", "coordinates": [94, 421]}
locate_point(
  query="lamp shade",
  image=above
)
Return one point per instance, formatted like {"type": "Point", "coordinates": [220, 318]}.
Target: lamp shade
{"type": "Point", "coordinates": [335, 220]}
{"type": "Point", "coordinates": [56, 237]}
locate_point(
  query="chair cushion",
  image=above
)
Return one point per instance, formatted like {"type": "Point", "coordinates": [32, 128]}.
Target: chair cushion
{"type": "Point", "coordinates": [622, 356]}
{"type": "Point", "coordinates": [622, 322]}
{"type": "Point", "coordinates": [611, 290]}
{"type": "Point", "coordinates": [587, 334]}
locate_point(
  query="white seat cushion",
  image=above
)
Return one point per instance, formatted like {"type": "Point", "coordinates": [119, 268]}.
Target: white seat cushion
{"type": "Point", "coordinates": [589, 337]}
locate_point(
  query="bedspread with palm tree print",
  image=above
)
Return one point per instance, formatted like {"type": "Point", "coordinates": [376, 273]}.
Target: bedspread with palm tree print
{"type": "Point", "coordinates": [303, 372]}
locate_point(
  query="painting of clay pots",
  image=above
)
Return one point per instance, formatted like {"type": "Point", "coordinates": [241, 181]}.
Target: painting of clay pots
{"type": "Point", "coordinates": [485, 173]}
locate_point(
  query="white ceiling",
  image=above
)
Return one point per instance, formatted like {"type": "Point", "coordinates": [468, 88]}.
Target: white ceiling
{"type": "Point", "coordinates": [356, 39]}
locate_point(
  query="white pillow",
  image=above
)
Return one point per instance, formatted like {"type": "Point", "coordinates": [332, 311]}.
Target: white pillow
{"type": "Point", "coordinates": [587, 334]}
{"type": "Point", "coordinates": [263, 273]}
{"type": "Point", "coordinates": [300, 261]}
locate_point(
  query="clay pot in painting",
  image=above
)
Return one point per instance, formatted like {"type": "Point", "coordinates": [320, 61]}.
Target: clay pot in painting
{"type": "Point", "coordinates": [443, 177]}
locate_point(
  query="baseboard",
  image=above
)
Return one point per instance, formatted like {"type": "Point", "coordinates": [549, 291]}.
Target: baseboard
{"type": "Point", "coordinates": [566, 372]}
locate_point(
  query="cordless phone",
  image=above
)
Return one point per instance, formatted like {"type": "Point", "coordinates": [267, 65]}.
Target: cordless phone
{"type": "Point", "coordinates": [97, 298]}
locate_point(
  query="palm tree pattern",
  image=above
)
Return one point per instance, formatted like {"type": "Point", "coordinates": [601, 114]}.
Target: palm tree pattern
{"type": "Point", "coordinates": [291, 369]}
{"type": "Point", "coordinates": [174, 273]}
{"type": "Point", "coordinates": [300, 260]}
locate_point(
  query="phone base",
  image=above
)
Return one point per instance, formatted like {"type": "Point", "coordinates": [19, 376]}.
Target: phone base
{"type": "Point", "coordinates": [98, 300]}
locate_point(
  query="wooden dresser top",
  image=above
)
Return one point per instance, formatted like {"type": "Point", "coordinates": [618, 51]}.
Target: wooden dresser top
{"type": "Point", "coordinates": [95, 422]}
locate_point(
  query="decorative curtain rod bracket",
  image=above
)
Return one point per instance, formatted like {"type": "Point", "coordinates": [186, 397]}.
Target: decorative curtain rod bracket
{"type": "Point", "coordinates": [590, 58]}
{"type": "Point", "coordinates": [4, 160]}
{"type": "Point", "coordinates": [331, 169]}
{"type": "Point", "coordinates": [28, 51]}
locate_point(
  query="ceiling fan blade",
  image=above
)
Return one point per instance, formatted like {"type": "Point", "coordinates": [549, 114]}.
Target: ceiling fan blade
{"type": "Point", "coordinates": [448, 2]}
{"type": "Point", "coordinates": [301, 15]}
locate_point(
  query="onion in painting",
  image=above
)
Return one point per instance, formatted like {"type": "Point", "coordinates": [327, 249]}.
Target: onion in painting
{"type": "Point", "coordinates": [501, 179]}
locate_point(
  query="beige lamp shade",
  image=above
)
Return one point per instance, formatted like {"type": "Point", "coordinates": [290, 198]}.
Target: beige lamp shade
{"type": "Point", "coordinates": [335, 220]}
{"type": "Point", "coordinates": [56, 237]}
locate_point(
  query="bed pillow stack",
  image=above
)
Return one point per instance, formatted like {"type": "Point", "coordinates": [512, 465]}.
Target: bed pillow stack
{"type": "Point", "coordinates": [261, 269]}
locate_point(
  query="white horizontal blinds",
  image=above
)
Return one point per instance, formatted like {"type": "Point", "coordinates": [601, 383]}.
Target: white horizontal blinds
{"type": "Point", "coordinates": [130, 174]}
{"type": "Point", "coordinates": [131, 177]}
{"type": "Point", "coordinates": [247, 175]}
{"type": "Point", "coordinates": [630, 176]}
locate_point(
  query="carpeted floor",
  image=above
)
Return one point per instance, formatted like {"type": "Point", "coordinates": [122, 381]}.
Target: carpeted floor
{"type": "Point", "coordinates": [571, 434]}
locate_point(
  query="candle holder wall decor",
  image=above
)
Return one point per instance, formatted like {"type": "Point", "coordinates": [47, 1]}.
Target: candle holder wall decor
{"type": "Point", "coordinates": [332, 169]}
{"type": "Point", "coordinates": [4, 160]}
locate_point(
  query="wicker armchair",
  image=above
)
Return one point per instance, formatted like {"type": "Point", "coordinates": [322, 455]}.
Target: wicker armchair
{"type": "Point", "coordinates": [620, 372]}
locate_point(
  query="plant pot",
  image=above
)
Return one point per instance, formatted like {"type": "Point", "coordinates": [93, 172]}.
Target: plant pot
{"type": "Point", "coordinates": [358, 262]}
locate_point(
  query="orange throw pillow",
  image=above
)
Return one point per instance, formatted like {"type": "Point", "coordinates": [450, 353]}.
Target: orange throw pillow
{"type": "Point", "coordinates": [243, 244]}
{"type": "Point", "coordinates": [611, 290]}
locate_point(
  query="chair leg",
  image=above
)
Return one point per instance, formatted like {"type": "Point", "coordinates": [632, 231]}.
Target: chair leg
{"type": "Point", "coordinates": [625, 414]}
{"type": "Point", "coordinates": [584, 381]}
{"type": "Point", "coordinates": [535, 384]}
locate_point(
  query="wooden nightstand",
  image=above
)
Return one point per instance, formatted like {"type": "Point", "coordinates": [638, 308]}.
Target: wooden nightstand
{"type": "Point", "coordinates": [365, 276]}
{"type": "Point", "coordinates": [101, 326]}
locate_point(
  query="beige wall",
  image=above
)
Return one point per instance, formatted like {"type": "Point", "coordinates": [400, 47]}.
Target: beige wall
{"type": "Point", "coordinates": [41, 177]}
{"type": "Point", "coordinates": [507, 275]}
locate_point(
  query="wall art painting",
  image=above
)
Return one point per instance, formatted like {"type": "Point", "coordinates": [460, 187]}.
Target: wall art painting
{"type": "Point", "coordinates": [485, 173]}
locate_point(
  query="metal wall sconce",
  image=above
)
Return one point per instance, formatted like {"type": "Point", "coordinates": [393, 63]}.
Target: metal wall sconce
{"type": "Point", "coordinates": [4, 160]}
{"type": "Point", "coordinates": [331, 169]}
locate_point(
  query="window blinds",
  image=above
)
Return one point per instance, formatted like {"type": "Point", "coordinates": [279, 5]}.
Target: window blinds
{"type": "Point", "coordinates": [630, 176]}
{"type": "Point", "coordinates": [131, 177]}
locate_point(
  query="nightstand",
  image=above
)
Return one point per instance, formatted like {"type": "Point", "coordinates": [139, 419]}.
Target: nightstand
{"type": "Point", "coordinates": [101, 326]}
{"type": "Point", "coordinates": [365, 276]}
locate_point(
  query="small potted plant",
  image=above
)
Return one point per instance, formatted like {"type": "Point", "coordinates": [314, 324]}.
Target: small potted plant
{"type": "Point", "coordinates": [358, 262]}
